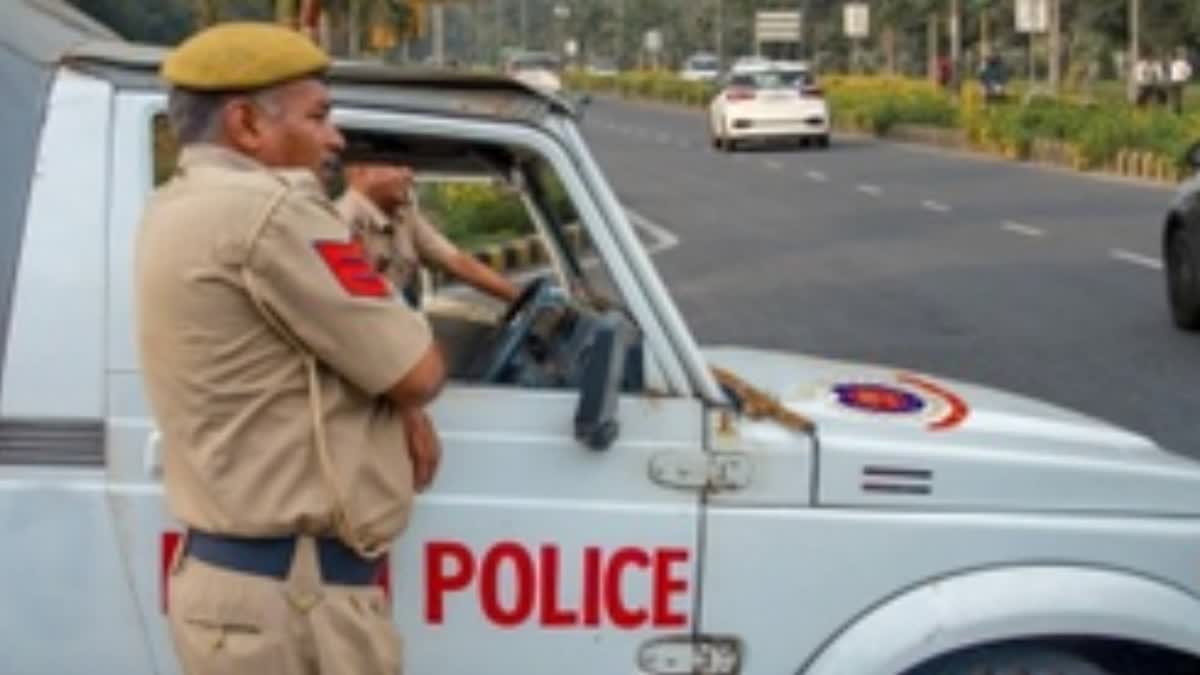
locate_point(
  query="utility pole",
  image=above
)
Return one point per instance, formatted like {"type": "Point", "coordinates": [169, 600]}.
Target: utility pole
{"type": "Point", "coordinates": [931, 42]}
{"type": "Point", "coordinates": [955, 41]}
{"type": "Point", "coordinates": [1135, 47]}
{"type": "Point", "coordinates": [438, 30]}
{"type": "Point", "coordinates": [524, 25]}
{"type": "Point", "coordinates": [354, 28]}
{"type": "Point", "coordinates": [985, 30]}
{"type": "Point", "coordinates": [619, 51]}
{"type": "Point", "coordinates": [1055, 71]}
{"type": "Point", "coordinates": [720, 32]}
{"type": "Point", "coordinates": [499, 29]}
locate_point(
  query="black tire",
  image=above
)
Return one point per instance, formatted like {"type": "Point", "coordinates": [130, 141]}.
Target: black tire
{"type": "Point", "coordinates": [1012, 660]}
{"type": "Point", "coordinates": [1183, 278]}
{"type": "Point", "coordinates": [823, 141]}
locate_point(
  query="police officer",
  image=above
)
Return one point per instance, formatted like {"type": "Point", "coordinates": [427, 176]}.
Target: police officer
{"type": "Point", "coordinates": [378, 205]}
{"type": "Point", "coordinates": [287, 382]}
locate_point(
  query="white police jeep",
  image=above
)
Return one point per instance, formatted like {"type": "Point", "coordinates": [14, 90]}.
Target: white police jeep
{"type": "Point", "coordinates": [606, 503]}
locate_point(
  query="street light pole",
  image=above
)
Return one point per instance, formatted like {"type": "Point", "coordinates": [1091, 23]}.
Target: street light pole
{"type": "Point", "coordinates": [524, 25]}
{"type": "Point", "coordinates": [1055, 70]}
{"type": "Point", "coordinates": [955, 41]}
{"type": "Point", "coordinates": [619, 50]}
{"type": "Point", "coordinates": [720, 30]}
{"type": "Point", "coordinates": [1135, 47]}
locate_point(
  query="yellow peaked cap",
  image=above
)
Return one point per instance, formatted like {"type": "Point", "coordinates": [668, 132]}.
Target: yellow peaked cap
{"type": "Point", "coordinates": [242, 55]}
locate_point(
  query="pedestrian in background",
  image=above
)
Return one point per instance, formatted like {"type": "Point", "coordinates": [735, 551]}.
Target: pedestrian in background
{"type": "Point", "coordinates": [1180, 75]}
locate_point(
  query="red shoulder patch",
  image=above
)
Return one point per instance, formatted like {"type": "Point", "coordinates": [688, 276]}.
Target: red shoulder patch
{"type": "Point", "coordinates": [348, 262]}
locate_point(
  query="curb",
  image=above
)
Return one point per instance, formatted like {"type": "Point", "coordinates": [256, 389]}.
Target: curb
{"type": "Point", "coordinates": [1128, 163]}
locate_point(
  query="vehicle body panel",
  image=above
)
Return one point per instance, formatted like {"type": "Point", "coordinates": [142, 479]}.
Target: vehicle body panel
{"type": "Point", "coordinates": [827, 567]}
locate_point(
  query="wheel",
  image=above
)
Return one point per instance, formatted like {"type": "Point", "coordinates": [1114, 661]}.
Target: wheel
{"type": "Point", "coordinates": [1183, 279]}
{"type": "Point", "coordinates": [1012, 660]}
{"type": "Point", "coordinates": [823, 141]}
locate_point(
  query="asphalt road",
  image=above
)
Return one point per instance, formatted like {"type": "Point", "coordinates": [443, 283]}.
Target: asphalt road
{"type": "Point", "coordinates": [1034, 280]}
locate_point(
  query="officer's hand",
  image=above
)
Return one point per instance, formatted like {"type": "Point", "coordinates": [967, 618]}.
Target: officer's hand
{"type": "Point", "coordinates": [423, 447]}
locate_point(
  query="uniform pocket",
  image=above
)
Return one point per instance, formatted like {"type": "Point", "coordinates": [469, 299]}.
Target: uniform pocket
{"type": "Point", "coordinates": [220, 622]}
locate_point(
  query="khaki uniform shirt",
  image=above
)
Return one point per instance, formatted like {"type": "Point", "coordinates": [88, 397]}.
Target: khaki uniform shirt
{"type": "Point", "coordinates": [230, 393]}
{"type": "Point", "coordinates": [397, 243]}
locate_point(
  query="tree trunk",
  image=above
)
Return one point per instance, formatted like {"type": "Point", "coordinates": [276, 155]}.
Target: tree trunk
{"type": "Point", "coordinates": [354, 28]}
{"type": "Point", "coordinates": [985, 37]}
{"type": "Point", "coordinates": [955, 42]}
{"type": "Point", "coordinates": [931, 39]}
{"type": "Point", "coordinates": [285, 12]}
{"type": "Point", "coordinates": [889, 48]}
{"type": "Point", "coordinates": [1135, 47]}
{"type": "Point", "coordinates": [1055, 48]}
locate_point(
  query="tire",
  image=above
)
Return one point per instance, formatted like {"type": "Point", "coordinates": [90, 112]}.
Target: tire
{"type": "Point", "coordinates": [1183, 279]}
{"type": "Point", "coordinates": [823, 141]}
{"type": "Point", "coordinates": [1012, 660]}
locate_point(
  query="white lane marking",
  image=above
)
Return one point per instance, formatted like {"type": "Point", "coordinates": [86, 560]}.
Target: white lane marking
{"type": "Point", "coordinates": [935, 206]}
{"type": "Point", "coordinates": [873, 190]}
{"type": "Point", "coordinates": [772, 164]}
{"type": "Point", "coordinates": [817, 176]}
{"type": "Point", "coordinates": [1025, 230]}
{"type": "Point", "coordinates": [663, 138]}
{"type": "Point", "coordinates": [665, 239]}
{"type": "Point", "coordinates": [1136, 258]}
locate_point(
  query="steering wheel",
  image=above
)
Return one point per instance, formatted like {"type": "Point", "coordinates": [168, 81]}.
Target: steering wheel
{"type": "Point", "coordinates": [513, 327]}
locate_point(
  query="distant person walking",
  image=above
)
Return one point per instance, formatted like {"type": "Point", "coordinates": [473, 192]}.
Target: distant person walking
{"type": "Point", "coordinates": [1149, 77]}
{"type": "Point", "coordinates": [1180, 75]}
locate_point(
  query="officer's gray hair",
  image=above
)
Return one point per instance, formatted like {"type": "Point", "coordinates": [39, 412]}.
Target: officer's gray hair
{"type": "Point", "coordinates": [195, 116]}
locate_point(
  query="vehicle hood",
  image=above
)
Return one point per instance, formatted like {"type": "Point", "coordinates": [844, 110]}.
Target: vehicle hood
{"type": "Point", "coordinates": [889, 436]}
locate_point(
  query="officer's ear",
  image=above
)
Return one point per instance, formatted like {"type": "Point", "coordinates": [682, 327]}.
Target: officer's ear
{"type": "Point", "coordinates": [242, 125]}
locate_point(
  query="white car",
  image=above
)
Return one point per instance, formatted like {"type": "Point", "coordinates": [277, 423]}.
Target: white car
{"type": "Point", "coordinates": [608, 502]}
{"type": "Point", "coordinates": [701, 68]}
{"type": "Point", "coordinates": [769, 104]}
{"type": "Point", "coordinates": [536, 69]}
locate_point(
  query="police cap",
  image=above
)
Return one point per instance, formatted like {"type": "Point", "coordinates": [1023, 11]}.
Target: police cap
{"type": "Point", "coordinates": [240, 56]}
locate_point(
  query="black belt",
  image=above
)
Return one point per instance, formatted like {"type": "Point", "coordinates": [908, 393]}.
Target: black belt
{"type": "Point", "coordinates": [272, 557]}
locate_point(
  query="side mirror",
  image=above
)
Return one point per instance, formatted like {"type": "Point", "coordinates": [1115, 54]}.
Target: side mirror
{"type": "Point", "coordinates": [596, 424]}
{"type": "Point", "coordinates": [1193, 156]}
